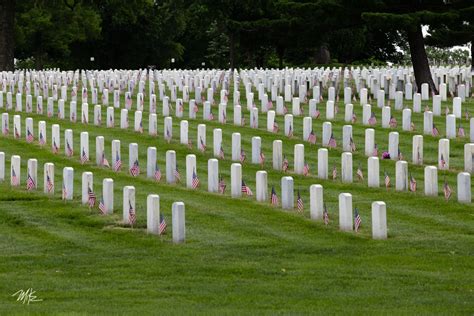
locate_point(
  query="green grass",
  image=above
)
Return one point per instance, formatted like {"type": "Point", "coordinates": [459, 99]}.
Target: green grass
{"type": "Point", "coordinates": [240, 256]}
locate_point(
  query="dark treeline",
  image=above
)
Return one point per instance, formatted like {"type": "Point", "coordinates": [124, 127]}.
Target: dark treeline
{"type": "Point", "coordinates": [226, 33]}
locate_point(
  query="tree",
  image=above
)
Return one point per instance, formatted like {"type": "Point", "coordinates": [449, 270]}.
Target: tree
{"type": "Point", "coordinates": [7, 22]}
{"type": "Point", "coordinates": [408, 16]}
{"type": "Point", "coordinates": [46, 30]}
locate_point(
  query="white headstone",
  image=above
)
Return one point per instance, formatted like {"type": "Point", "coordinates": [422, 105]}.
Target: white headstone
{"type": "Point", "coordinates": [236, 147]}
{"type": "Point", "coordinates": [373, 172]}
{"type": "Point", "coordinates": [153, 214]}
{"type": "Point", "coordinates": [236, 179]}
{"type": "Point", "coordinates": [345, 212]}
{"type": "Point", "coordinates": [178, 219]}
{"type": "Point", "coordinates": [68, 183]}
{"type": "Point", "coordinates": [464, 187]}
{"type": "Point", "coordinates": [277, 154]}
{"type": "Point", "coordinates": [379, 220]}
{"type": "Point", "coordinates": [431, 181]}
{"type": "Point", "coordinates": [170, 166]}
{"type": "Point", "coordinates": [108, 195]}
{"type": "Point", "coordinates": [316, 201]}
{"type": "Point", "coordinates": [287, 193]}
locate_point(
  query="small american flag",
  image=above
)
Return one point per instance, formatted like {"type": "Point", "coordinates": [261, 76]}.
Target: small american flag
{"type": "Point", "coordinates": [305, 169]}
{"type": "Point", "coordinates": [195, 108]}
{"type": "Point", "coordinates": [222, 185]}
{"type": "Point", "coordinates": [180, 106]}
{"type": "Point", "coordinates": [447, 190]}
{"type": "Point", "coordinates": [285, 109]}
{"type": "Point", "coordinates": [168, 134]}
{"type": "Point", "coordinates": [312, 138]}
{"type": "Point", "coordinates": [334, 173]}
{"type": "Point", "coordinates": [105, 162]}
{"type": "Point", "coordinates": [55, 147]}
{"type": "Point", "coordinates": [400, 155]}
{"type": "Point", "coordinates": [442, 162]}
{"type": "Point", "coordinates": [461, 132]}
{"type": "Point", "coordinates": [73, 117]}
{"type": "Point", "coordinates": [102, 207]}
{"type": "Point", "coordinates": [387, 180]}
{"type": "Point", "coordinates": [393, 122]}
{"type": "Point", "coordinates": [332, 141]}
{"type": "Point", "coordinates": [435, 131]}
{"type": "Point", "coordinates": [195, 182]}
{"type": "Point", "coordinates": [446, 111]}
{"type": "Point", "coordinates": [372, 119]}
{"type": "Point", "coordinates": [262, 158]}
{"type": "Point", "coordinates": [84, 118]}
{"type": "Point", "coordinates": [412, 184]}
{"type": "Point", "coordinates": [317, 114]}
{"type": "Point", "coordinates": [354, 118]}
{"type": "Point", "coordinates": [135, 169]}
{"type": "Point", "coordinates": [64, 191]}
{"type": "Point", "coordinates": [352, 145]}
{"type": "Point", "coordinates": [211, 116]}
{"type": "Point", "coordinates": [412, 126]}
{"type": "Point", "coordinates": [275, 127]}
{"type": "Point", "coordinates": [30, 183]}
{"type": "Point", "coordinates": [299, 203]}
{"type": "Point", "coordinates": [290, 131]}
{"type": "Point", "coordinates": [69, 150]}
{"type": "Point", "coordinates": [325, 215]}
{"type": "Point", "coordinates": [376, 150]}
{"type": "Point", "coordinates": [242, 156]}
{"type": "Point", "coordinates": [29, 136]}
{"type": "Point", "coordinates": [49, 183]}
{"type": "Point", "coordinates": [221, 153]}
{"type": "Point", "coordinates": [118, 162]}
{"type": "Point", "coordinates": [5, 129]}
{"type": "Point", "coordinates": [84, 157]}
{"type": "Point", "coordinates": [274, 197]}
{"type": "Point", "coordinates": [270, 104]}
{"type": "Point", "coordinates": [140, 127]}
{"type": "Point", "coordinates": [357, 220]}
{"type": "Point", "coordinates": [176, 174]}
{"type": "Point", "coordinates": [162, 227]}
{"type": "Point", "coordinates": [17, 134]}
{"type": "Point", "coordinates": [132, 216]}
{"type": "Point", "coordinates": [202, 146]}
{"type": "Point", "coordinates": [92, 197]}
{"type": "Point", "coordinates": [359, 173]}
{"type": "Point", "coordinates": [285, 164]}
{"type": "Point", "coordinates": [157, 173]}
{"type": "Point", "coordinates": [246, 189]}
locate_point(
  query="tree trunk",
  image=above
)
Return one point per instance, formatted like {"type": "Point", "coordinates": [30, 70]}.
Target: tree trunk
{"type": "Point", "coordinates": [232, 51]}
{"type": "Point", "coordinates": [472, 55]}
{"type": "Point", "coordinates": [419, 59]}
{"type": "Point", "coordinates": [7, 21]}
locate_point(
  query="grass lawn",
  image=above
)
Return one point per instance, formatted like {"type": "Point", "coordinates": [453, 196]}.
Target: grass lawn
{"type": "Point", "coordinates": [240, 256]}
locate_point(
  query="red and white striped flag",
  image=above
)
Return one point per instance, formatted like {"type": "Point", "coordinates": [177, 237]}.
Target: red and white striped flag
{"type": "Point", "coordinates": [102, 207]}
{"type": "Point", "coordinates": [325, 215]}
{"type": "Point", "coordinates": [312, 137]}
{"type": "Point", "coordinates": [274, 197]}
{"type": "Point", "coordinates": [372, 119]}
{"type": "Point", "coordinates": [334, 173]}
{"type": "Point", "coordinates": [359, 173]}
{"type": "Point", "coordinates": [246, 189]}
{"type": "Point", "coordinates": [84, 157]}
{"type": "Point", "coordinates": [357, 220]}
{"type": "Point", "coordinates": [29, 136]}
{"type": "Point", "coordinates": [412, 184]}
{"type": "Point", "coordinates": [242, 156]}
{"type": "Point", "coordinates": [202, 146]}
{"type": "Point", "coordinates": [221, 153]}
{"type": "Point", "coordinates": [299, 203]}
{"type": "Point", "coordinates": [118, 162]}
{"type": "Point", "coordinates": [262, 158]}
{"type": "Point", "coordinates": [447, 190]}
{"type": "Point", "coordinates": [305, 169]}
{"type": "Point", "coordinates": [162, 227]}
{"type": "Point", "coordinates": [30, 183]}
{"type": "Point", "coordinates": [157, 174]}
{"type": "Point", "coordinates": [177, 175]}
{"type": "Point", "coordinates": [275, 127]}
{"type": "Point", "coordinates": [285, 164]}
{"type": "Point", "coordinates": [69, 150]}
{"type": "Point", "coordinates": [135, 169]}
{"type": "Point", "coordinates": [222, 185]}
{"type": "Point", "coordinates": [435, 131]}
{"type": "Point", "coordinates": [132, 216]}
{"type": "Point", "coordinates": [387, 180]}
{"type": "Point", "coordinates": [332, 141]}
{"type": "Point", "coordinates": [49, 183]}
{"type": "Point", "coordinates": [195, 181]}
{"type": "Point", "coordinates": [92, 197]}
